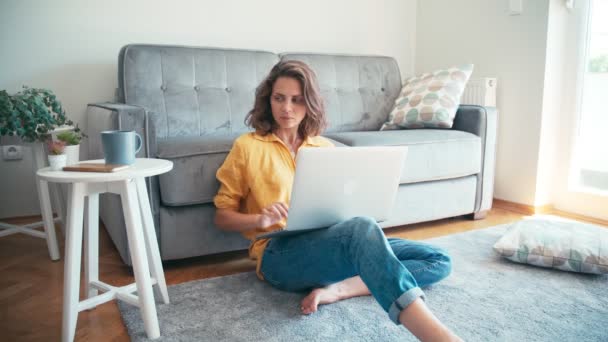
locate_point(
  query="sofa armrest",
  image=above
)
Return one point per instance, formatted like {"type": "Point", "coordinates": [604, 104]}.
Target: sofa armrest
{"type": "Point", "coordinates": [120, 116]}
{"type": "Point", "coordinates": [472, 119]}
{"type": "Point", "coordinates": [483, 122]}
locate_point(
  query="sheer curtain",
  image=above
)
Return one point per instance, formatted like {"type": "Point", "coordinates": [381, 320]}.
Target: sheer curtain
{"type": "Point", "coordinates": [589, 169]}
{"type": "Point", "coordinates": [581, 173]}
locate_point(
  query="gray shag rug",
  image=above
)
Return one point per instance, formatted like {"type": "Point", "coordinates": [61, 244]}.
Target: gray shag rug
{"type": "Point", "coordinates": [486, 298]}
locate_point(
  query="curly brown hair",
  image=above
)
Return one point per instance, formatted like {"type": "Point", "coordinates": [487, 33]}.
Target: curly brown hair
{"type": "Point", "coordinates": [260, 117]}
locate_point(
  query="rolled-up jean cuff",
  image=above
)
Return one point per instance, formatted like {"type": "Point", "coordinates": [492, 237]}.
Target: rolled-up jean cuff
{"type": "Point", "coordinates": [403, 302]}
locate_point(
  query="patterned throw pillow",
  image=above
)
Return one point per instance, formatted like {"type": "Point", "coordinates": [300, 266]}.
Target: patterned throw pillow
{"type": "Point", "coordinates": [429, 100]}
{"type": "Point", "coordinates": [557, 243]}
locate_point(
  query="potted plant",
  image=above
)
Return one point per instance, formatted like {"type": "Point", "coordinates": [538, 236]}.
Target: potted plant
{"type": "Point", "coordinates": [57, 159]}
{"type": "Point", "coordinates": [31, 114]}
{"type": "Point", "coordinates": [72, 144]}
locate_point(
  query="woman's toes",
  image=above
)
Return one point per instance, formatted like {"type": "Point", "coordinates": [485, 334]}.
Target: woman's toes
{"type": "Point", "coordinates": [310, 302]}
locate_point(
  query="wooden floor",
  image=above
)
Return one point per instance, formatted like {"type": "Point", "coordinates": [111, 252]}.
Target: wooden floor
{"type": "Point", "coordinates": [31, 284]}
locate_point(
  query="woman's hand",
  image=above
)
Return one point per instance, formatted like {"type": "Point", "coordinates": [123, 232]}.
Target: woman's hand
{"type": "Point", "coordinates": [273, 214]}
{"type": "Point", "coordinates": [232, 220]}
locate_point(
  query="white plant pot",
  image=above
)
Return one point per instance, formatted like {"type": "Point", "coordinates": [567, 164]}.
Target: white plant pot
{"type": "Point", "coordinates": [73, 154]}
{"type": "Point", "coordinates": [57, 162]}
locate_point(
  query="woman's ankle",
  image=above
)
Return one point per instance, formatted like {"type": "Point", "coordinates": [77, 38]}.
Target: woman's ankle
{"type": "Point", "coordinates": [421, 322]}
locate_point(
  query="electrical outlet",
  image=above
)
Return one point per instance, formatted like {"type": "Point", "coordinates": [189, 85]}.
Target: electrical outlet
{"type": "Point", "coordinates": [12, 152]}
{"type": "Point", "coordinates": [570, 4]}
{"type": "Point", "coordinates": [515, 7]}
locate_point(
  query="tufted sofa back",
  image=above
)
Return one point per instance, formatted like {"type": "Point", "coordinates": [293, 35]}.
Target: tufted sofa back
{"type": "Point", "coordinates": [193, 91]}
{"type": "Point", "coordinates": [359, 91]}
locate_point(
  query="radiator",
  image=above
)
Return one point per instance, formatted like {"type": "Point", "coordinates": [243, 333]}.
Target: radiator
{"type": "Point", "coordinates": [480, 91]}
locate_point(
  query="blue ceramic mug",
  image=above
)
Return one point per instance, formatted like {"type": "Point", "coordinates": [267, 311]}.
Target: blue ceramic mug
{"type": "Point", "coordinates": [120, 147]}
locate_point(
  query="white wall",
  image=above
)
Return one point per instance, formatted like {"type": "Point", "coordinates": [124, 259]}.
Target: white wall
{"type": "Point", "coordinates": [72, 47]}
{"type": "Point", "coordinates": [511, 48]}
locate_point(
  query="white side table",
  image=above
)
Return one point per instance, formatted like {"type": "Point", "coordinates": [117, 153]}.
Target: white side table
{"type": "Point", "coordinates": [131, 186]}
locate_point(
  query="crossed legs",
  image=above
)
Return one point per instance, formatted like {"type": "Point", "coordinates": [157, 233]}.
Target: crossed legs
{"type": "Point", "coordinates": [354, 258]}
{"type": "Point", "coordinates": [427, 264]}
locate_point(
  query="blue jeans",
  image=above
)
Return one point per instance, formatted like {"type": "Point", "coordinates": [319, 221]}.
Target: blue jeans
{"type": "Point", "coordinates": [393, 269]}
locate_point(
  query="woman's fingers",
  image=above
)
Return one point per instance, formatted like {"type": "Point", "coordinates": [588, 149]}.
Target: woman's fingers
{"type": "Point", "coordinates": [285, 207]}
{"type": "Point", "coordinates": [276, 212]}
{"type": "Point", "coordinates": [278, 209]}
{"type": "Point", "coordinates": [282, 208]}
{"type": "Point", "coordinates": [270, 212]}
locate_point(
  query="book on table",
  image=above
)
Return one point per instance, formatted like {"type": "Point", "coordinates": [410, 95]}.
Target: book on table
{"type": "Point", "coordinates": [95, 167]}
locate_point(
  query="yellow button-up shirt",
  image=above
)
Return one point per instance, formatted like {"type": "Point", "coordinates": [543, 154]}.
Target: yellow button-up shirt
{"type": "Point", "coordinates": [258, 171]}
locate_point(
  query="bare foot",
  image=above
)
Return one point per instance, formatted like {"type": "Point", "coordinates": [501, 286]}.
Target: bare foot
{"type": "Point", "coordinates": [324, 295]}
{"type": "Point", "coordinates": [348, 288]}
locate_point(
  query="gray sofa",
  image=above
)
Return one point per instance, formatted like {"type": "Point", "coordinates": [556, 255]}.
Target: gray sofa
{"type": "Point", "coordinates": [189, 105]}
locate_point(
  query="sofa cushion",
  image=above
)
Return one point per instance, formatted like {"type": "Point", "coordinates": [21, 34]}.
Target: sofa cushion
{"type": "Point", "coordinates": [433, 153]}
{"type": "Point", "coordinates": [429, 100]}
{"type": "Point", "coordinates": [195, 163]}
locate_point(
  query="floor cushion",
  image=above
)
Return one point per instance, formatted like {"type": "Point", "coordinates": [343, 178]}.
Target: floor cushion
{"type": "Point", "coordinates": [549, 241]}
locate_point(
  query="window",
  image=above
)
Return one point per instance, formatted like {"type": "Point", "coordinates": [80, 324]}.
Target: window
{"type": "Point", "coordinates": [590, 162]}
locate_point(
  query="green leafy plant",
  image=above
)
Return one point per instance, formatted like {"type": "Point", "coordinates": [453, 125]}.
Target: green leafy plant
{"type": "Point", "coordinates": [56, 147]}
{"type": "Point", "coordinates": [598, 64]}
{"type": "Point", "coordinates": [71, 137]}
{"type": "Point", "coordinates": [31, 114]}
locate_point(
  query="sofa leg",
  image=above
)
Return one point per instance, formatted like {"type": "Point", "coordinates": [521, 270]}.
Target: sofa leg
{"type": "Point", "coordinates": [480, 215]}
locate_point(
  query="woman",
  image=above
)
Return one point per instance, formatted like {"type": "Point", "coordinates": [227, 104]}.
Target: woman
{"type": "Point", "coordinates": [351, 258]}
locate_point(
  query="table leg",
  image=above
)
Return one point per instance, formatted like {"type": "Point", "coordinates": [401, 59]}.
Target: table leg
{"type": "Point", "coordinates": [58, 204]}
{"type": "Point", "coordinates": [47, 217]}
{"type": "Point", "coordinates": [91, 241]}
{"type": "Point", "coordinates": [151, 241]}
{"type": "Point", "coordinates": [39, 155]}
{"type": "Point", "coordinates": [135, 236]}
{"type": "Point", "coordinates": [71, 271]}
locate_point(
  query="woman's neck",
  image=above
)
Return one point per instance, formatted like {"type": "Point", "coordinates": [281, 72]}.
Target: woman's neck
{"type": "Point", "coordinates": [289, 137]}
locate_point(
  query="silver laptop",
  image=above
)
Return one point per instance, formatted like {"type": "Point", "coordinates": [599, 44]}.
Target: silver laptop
{"type": "Point", "coordinates": [332, 185]}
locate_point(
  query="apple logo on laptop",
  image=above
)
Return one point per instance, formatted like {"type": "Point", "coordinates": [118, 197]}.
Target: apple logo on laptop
{"type": "Point", "coordinates": [349, 187]}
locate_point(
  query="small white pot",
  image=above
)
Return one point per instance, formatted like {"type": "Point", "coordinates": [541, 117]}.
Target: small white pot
{"type": "Point", "coordinates": [73, 154]}
{"type": "Point", "coordinates": [57, 162]}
